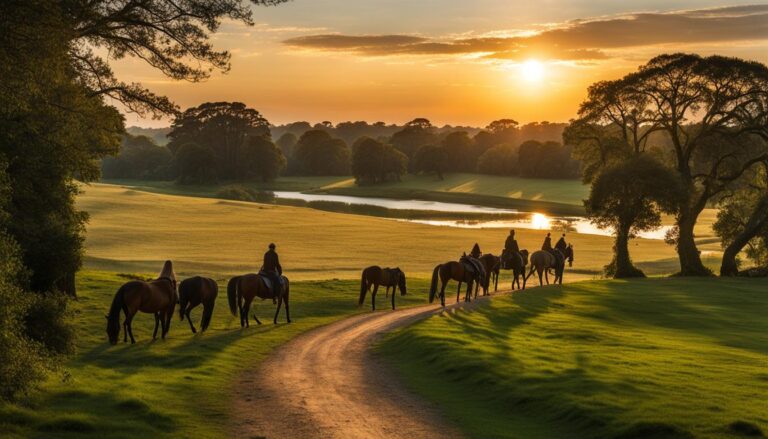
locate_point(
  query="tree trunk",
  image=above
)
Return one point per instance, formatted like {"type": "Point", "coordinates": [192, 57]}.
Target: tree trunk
{"type": "Point", "coordinates": [757, 221]}
{"type": "Point", "coordinates": [690, 257]}
{"type": "Point", "coordinates": [624, 267]}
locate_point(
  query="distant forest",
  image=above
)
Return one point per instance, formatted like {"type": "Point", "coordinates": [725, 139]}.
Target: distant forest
{"type": "Point", "coordinates": [227, 141]}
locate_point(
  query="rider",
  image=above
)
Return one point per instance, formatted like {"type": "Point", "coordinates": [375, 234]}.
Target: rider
{"type": "Point", "coordinates": [272, 268]}
{"type": "Point", "coordinates": [475, 253]}
{"type": "Point", "coordinates": [510, 248]}
{"type": "Point", "coordinates": [561, 245]}
{"type": "Point", "coordinates": [547, 246]}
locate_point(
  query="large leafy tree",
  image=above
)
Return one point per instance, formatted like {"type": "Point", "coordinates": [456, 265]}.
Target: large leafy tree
{"type": "Point", "coordinates": [699, 112]}
{"type": "Point", "coordinates": [374, 161]}
{"type": "Point", "coordinates": [629, 197]}
{"type": "Point", "coordinates": [223, 127]}
{"type": "Point", "coordinates": [414, 134]}
{"type": "Point", "coordinates": [317, 153]}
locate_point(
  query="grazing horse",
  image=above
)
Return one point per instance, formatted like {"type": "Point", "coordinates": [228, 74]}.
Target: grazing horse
{"type": "Point", "coordinates": [193, 292]}
{"type": "Point", "coordinates": [156, 297]}
{"type": "Point", "coordinates": [453, 270]}
{"type": "Point", "coordinates": [492, 264]}
{"type": "Point", "coordinates": [518, 262]}
{"type": "Point", "coordinates": [241, 290]}
{"type": "Point", "coordinates": [375, 276]}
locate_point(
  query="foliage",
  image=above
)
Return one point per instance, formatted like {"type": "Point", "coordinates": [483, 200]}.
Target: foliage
{"type": "Point", "coordinates": [259, 159]}
{"type": "Point", "coordinates": [317, 153]}
{"type": "Point", "coordinates": [700, 113]}
{"type": "Point", "coordinates": [546, 160]}
{"type": "Point", "coordinates": [140, 158]}
{"type": "Point", "coordinates": [286, 143]}
{"type": "Point", "coordinates": [499, 160]}
{"type": "Point", "coordinates": [630, 197]}
{"type": "Point", "coordinates": [460, 155]}
{"type": "Point", "coordinates": [374, 162]}
{"type": "Point", "coordinates": [414, 134]}
{"type": "Point", "coordinates": [21, 359]}
{"type": "Point", "coordinates": [429, 159]}
{"type": "Point", "coordinates": [194, 164]}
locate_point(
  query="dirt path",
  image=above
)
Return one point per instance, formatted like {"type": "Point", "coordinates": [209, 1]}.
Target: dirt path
{"type": "Point", "coordinates": [326, 384]}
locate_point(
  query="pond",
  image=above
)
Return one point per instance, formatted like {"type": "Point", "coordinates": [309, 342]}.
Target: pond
{"type": "Point", "coordinates": [522, 220]}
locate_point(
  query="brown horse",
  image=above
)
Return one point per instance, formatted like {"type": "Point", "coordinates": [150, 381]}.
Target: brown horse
{"type": "Point", "coordinates": [542, 261]}
{"type": "Point", "coordinates": [492, 264]}
{"type": "Point", "coordinates": [156, 297]}
{"type": "Point", "coordinates": [241, 290]}
{"type": "Point", "coordinates": [453, 270]}
{"type": "Point", "coordinates": [517, 263]}
{"type": "Point", "coordinates": [375, 276]}
{"type": "Point", "coordinates": [193, 292]}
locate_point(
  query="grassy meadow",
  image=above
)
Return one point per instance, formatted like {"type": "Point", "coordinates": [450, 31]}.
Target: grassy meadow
{"type": "Point", "coordinates": [661, 358]}
{"type": "Point", "coordinates": [135, 231]}
{"type": "Point", "coordinates": [179, 387]}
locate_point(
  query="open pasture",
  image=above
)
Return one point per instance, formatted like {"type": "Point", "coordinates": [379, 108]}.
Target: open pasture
{"type": "Point", "coordinates": [134, 231]}
{"type": "Point", "coordinates": [671, 358]}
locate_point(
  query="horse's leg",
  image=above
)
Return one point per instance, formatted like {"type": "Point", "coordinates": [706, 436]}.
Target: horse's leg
{"type": "Point", "coordinates": [541, 281]}
{"type": "Point", "coordinates": [168, 318]}
{"type": "Point", "coordinates": [277, 312]}
{"type": "Point", "coordinates": [443, 284]}
{"type": "Point", "coordinates": [394, 290]}
{"type": "Point", "coordinates": [241, 308]}
{"type": "Point", "coordinates": [468, 295]}
{"type": "Point", "coordinates": [458, 292]}
{"type": "Point", "coordinates": [373, 296]}
{"type": "Point", "coordinates": [157, 322]}
{"type": "Point", "coordinates": [129, 329]}
{"type": "Point", "coordinates": [386, 294]}
{"type": "Point", "coordinates": [287, 310]}
{"type": "Point", "coordinates": [191, 326]}
{"type": "Point", "coordinates": [246, 309]}
{"type": "Point", "coordinates": [546, 276]}
{"type": "Point", "coordinates": [496, 281]}
{"type": "Point", "coordinates": [125, 330]}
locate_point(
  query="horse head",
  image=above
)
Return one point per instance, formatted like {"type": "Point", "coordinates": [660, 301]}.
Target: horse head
{"type": "Point", "coordinates": [113, 328]}
{"type": "Point", "coordinates": [401, 281]}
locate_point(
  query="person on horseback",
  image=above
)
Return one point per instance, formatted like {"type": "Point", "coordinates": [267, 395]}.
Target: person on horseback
{"type": "Point", "coordinates": [561, 245]}
{"type": "Point", "coordinates": [272, 269]}
{"type": "Point", "coordinates": [510, 249]}
{"type": "Point", "coordinates": [547, 246]}
{"type": "Point", "coordinates": [475, 253]}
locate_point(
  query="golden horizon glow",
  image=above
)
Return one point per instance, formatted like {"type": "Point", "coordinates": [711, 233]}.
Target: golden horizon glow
{"type": "Point", "coordinates": [338, 60]}
{"type": "Point", "coordinates": [540, 221]}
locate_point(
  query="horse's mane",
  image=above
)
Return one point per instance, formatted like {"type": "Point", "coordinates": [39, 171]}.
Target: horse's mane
{"type": "Point", "coordinates": [167, 271]}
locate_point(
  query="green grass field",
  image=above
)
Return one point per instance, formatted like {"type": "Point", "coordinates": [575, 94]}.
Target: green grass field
{"type": "Point", "coordinates": [135, 231]}
{"type": "Point", "coordinates": [661, 358]}
{"type": "Point", "coordinates": [179, 387]}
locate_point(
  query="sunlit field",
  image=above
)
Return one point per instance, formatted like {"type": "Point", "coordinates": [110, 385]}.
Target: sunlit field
{"type": "Point", "coordinates": [132, 230]}
{"type": "Point", "coordinates": [661, 358]}
{"type": "Point", "coordinates": [179, 387]}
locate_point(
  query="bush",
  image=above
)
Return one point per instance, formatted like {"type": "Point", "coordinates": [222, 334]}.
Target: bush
{"type": "Point", "coordinates": [22, 360]}
{"type": "Point", "coordinates": [240, 193]}
{"type": "Point", "coordinates": [48, 321]}
{"type": "Point", "coordinates": [499, 160]}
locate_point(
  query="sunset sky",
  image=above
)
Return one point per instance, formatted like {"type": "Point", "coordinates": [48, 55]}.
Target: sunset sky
{"type": "Point", "coordinates": [454, 62]}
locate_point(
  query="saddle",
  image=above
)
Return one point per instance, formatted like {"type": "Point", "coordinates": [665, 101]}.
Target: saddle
{"type": "Point", "coordinates": [506, 258]}
{"type": "Point", "coordinates": [472, 265]}
{"type": "Point", "coordinates": [270, 279]}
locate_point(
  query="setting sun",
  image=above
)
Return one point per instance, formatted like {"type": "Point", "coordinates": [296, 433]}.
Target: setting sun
{"type": "Point", "coordinates": [532, 70]}
{"type": "Point", "coordinates": [539, 221]}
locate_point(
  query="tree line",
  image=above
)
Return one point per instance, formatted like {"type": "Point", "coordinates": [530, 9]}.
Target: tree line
{"type": "Point", "coordinates": [227, 141]}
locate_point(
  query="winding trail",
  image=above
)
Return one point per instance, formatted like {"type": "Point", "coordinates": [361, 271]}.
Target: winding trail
{"type": "Point", "coordinates": [327, 384]}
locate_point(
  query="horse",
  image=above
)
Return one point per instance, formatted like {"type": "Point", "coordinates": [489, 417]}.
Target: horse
{"type": "Point", "coordinates": [453, 270]}
{"type": "Point", "coordinates": [542, 261]}
{"type": "Point", "coordinates": [492, 264]}
{"type": "Point", "coordinates": [193, 292]}
{"type": "Point", "coordinates": [156, 297]}
{"type": "Point", "coordinates": [518, 262]}
{"type": "Point", "coordinates": [375, 276]}
{"type": "Point", "coordinates": [241, 290]}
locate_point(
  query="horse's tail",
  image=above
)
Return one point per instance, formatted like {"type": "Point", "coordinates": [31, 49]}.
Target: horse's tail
{"type": "Point", "coordinates": [232, 294]}
{"type": "Point", "coordinates": [207, 313]}
{"type": "Point", "coordinates": [433, 285]}
{"type": "Point", "coordinates": [363, 289]}
{"type": "Point", "coordinates": [118, 303]}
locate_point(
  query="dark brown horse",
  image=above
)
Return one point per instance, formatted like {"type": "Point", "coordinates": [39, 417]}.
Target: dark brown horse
{"type": "Point", "coordinates": [453, 270]}
{"type": "Point", "coordinates": [492, 264]}
{"type": "Point", "coordinates": [193, 292]}
{"type": "Point", "coordinates": [241, 290]}
{"type": "Point", "coordinates": [375, 276]}
{"type": "Point", "coordinates": [156, 297]}
{"type": "Point", "coordinates": [517, 263]}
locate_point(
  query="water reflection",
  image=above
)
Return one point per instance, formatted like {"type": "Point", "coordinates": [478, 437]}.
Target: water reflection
{"type": "Point", "coordinates": [522, 220]}
{"type": "Point", "coordinates": [539, 221]}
